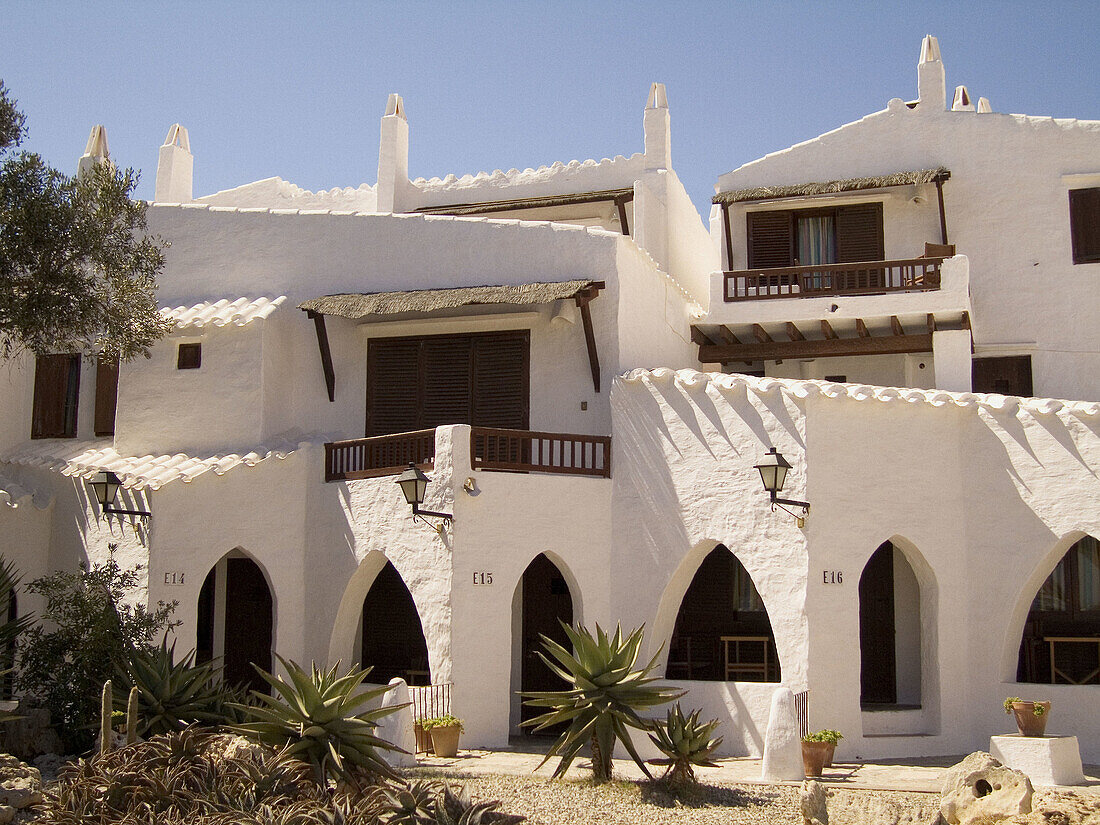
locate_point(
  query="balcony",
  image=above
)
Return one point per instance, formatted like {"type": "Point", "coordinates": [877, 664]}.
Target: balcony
{"type": "Point", "coordinates": [490, 449]}
{"type": "Point", "coordinates": [825, 280]}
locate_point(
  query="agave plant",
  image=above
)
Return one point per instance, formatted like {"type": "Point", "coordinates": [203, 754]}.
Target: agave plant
{"type": "Point", "coordinates": [685, 743]}
{"type": "Point", "coordinates": [607, 691]}
{"type": "Point", "coordinates": [171, 694]}
{"type": "Point", "coordinates": [318, 717]}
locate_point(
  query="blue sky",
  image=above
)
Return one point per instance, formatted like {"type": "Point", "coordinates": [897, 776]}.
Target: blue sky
{"type": "Point", "coordinates": [296, 89]}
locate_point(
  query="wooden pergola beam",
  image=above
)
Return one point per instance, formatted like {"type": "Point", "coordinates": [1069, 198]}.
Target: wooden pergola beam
{"type": "Point", "coordinates": [727, 336]}
{"type": "Point", "coordinates": [583, 298]}
{"type": "Point", "coordinates": [620, 204]}
{"type": "Point", "coordinates": [931, 323]}
{"type": "Point", "coordinates": [761, 334]}
{"type": "Point", "coordinates": [826, 348]}
{"type": "Point", "coordinates": [326, 352]}
{"type": "Point", "coordinates": [794, 333]}
{"type": "Point", "coordinates": [827, 330]}
{"type": "Point", "coordinates": [895, 325]}
{"type": "Point", "coordinates": [861, 329]}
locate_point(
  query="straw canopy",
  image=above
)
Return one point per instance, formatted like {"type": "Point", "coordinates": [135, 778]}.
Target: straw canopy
{"type": "Point", "coordinates": [762, 193]}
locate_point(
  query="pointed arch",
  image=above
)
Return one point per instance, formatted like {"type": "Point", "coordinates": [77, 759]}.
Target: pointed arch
{"type": "Point", "coordinates": [236, 619]}
{"type": "Point", "coordinates": [391, 635]}
{"type": "Point", "coordinates": [1062, 605]}
{"type": "Point", "coordinates": [722, 629]}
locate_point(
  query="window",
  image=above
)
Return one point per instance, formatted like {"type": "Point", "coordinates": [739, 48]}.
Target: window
{"type": "Point", "coordinates": [106, 395]}
{"type": "Point", "coordinates": [1010, 375]}
{"type": "Point", "coordinates": [1084, 224]}
{"type": "Point", "coordinates": [840, 234]}
{"type": "Point", "coordinates": [56, 389]}
{"type": "Point", "coordinates": [189, 357]}
{"type": "Point", "coordinates": [419, 383]}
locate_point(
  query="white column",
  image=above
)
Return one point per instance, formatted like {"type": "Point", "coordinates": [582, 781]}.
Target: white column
{"type": "Point", "coordinates": [951, 354]}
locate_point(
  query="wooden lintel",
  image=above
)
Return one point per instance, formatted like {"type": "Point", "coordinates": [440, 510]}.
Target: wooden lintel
{"type": "Point", "coordinates": [326, 353]}
{"type": "Point", "coordinates": [895, 325]}
{"type": "Point", "coordinates": [761, 334]}
{"type": "Point", "coordinates": [965, 320]}
{"type": "Point", "coordinates": [827, 330]}
{"type": "Point", "coordinates": [727, 336]}
{"type": "Point", "coordinates": [590, 340]}
{"type": "Point", "coordinates": [931, 323]}
{"type": "Point", "coordinates": [729, 235]}
{"type": "Point", "coordinates": [777, 350]}
{"type": "Point", "coordinates": [701, 338]}
{"type": "Point", "coordinates": [943, 214]}
{"type": "Point", "coordinates": [620, 203]}
{"type": "Point", "coordinates": [794, 333]}
{"type": "Point", "coordinates": [861, 329]}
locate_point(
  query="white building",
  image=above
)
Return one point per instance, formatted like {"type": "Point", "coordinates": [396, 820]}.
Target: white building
{"type": "Point", "coordinates": [532, 321]}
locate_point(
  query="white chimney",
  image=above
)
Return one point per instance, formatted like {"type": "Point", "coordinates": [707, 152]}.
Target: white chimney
{"type": "Point", "coordinates": [95, 152]}
{"type": "Point", "coordinates": [175, 168]}
{"type": "Point", "coordinates": [961, 102]}
{"type": "Point", "coordinates": [931, 78]}
{"type": "Point", "coordinates": [984, 107]}
{"type": "Point", "coordinates": [658, 129]}
{"type": "Point", "coordinates": [393, 156]}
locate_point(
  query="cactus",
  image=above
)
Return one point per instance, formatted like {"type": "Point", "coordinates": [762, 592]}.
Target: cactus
{"type": "Point", "coordinates": [132, 716]}
{"type": "Point", "coordinates": [106, 710]}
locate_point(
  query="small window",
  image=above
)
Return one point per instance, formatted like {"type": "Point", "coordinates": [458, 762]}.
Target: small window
{"type": "Point", "coordinates": [1010, 375]}
{"type": "Point", "coordinates": [1084, 224]}
{"type": "Point", "coordinates": [837, 379]}
{"type": "Point", "coordinates": [189, 357]}
{"type": "Point", "coordinates": [56, 390]}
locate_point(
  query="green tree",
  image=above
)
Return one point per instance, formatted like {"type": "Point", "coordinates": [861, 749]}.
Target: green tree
{"type": "Point", "coordinates": [77, 266]}
{"type": "Point", "coordinates": [90, 627]}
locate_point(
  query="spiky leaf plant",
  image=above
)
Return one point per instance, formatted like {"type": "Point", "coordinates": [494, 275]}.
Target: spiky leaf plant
{"type": "Point", "coordinates": [685, 743]}
{"type": "Point", "coordinates": [171, 694]}
{"type": "Point", "coordinates": [318, 717]}
{"type": "Point", "coordinates": [607, 691]}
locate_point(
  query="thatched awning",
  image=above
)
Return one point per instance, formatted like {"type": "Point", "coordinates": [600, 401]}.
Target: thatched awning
{"type": "Point", "coordinates": [360, 306]}
{"type": "Point", "coordinates": [764, 193]}
{"type": "Point", "coordinates": [484, 207]}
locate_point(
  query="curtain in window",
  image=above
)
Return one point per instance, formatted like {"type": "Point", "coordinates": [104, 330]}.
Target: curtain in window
{"type": "Point", "coordinates": [817, 240]}
{"type": "Point", "coordinates": [744, 592]}
{"type": "Point", "coordinates": [1052, 595]}
{"type": "Point", "coordinates": [1088, 574]}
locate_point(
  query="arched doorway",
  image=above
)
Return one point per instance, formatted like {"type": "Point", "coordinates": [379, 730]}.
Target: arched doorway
{"type": "Point", "coordinates": [392, 637]}
{"type": "Point", "coordinates": [723, 632]}
{"type": "Point", "coordinates": [544, 602]}
{"type": "Point", "coordinates": [236, 620]}
{"type": "Point", "coordinates": [1066, 609]}
{"type": "Point", "coordinates": [889, 631]}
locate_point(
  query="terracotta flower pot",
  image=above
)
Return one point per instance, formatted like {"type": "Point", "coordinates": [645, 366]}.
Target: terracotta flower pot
{"type": "Point", "coordinates": [1027, 722]}
{"type": "Point", "coordinates": [829, 755]}
{"type": "Point", "coordinates": [814, 755]}
{"type": "Point", "coordinates": [445, 740]}
{"type": "Point", "coordinates": [423, 739]}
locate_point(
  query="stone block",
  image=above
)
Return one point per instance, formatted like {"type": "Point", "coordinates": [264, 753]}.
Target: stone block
{"type": "Point", "coordinates": [980, 789]}
{"type": "Point", "coordinates": [1047, 760]}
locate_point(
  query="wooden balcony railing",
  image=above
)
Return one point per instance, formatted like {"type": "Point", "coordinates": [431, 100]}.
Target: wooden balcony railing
{"type": "Point", "coordinates": [864, 278]}
{"type": "Point", "coordinates": [380, 455]}
{"type": "Point", "coordinates": [522, 450]}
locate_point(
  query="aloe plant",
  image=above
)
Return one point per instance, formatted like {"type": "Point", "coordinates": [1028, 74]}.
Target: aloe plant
{"type": "Point", "coordinates": [685, 743]}
{"type": "Point", "coordinates": [607, 691]}
{"type": "Point", "coordinates": [318, 717]}
{"type": "Point", "coordinates": [171, 694]}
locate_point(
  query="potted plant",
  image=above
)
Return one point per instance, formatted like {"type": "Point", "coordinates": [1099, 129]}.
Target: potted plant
{"type": "Point", "coordinates": [423, 738]}
{"type": "Point", "coordinates": [1031, 717]}
{"type": "Point", "coordinates": [444, 731]}
{"type": "Point", "coordinates": [817, 750]}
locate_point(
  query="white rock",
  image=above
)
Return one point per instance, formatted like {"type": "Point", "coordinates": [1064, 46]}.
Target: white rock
{"type": "Point", "coordinates": [812, 799]}
{"type": "Point", "coordinates": [981, 789]}
{"type": "Point", "coordinates": [782, 742]}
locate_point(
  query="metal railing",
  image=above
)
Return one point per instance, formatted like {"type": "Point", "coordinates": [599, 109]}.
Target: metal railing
{"type": "Point", "coordinates": [863, 278]}
{"type": "Point", "coordinates": [528, 451]}
{"type": "Point", "coordinates": [429, 702]}
{"type": "Point", "coordinates": [802, 712]}
{"type": "Point", "coordinates": [378, 456]}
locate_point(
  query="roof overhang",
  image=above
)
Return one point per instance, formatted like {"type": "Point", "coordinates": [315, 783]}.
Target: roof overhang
{"type": "Point", "coordinates": [485, 207]}
{"type": "Point", "coordinates": [373, 306]}
{"type": "Point", "coordinates": [801, 190]}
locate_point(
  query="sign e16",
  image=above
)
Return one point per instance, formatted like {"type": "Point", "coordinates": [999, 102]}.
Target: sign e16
{"type": "Point", "coordinates": [832, 576]}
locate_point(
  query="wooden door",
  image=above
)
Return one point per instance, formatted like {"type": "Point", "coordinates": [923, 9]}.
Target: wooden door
{"type": "Point", "coordinates": [248, 624]}
{"type": "Point", "coordinates": [878, 662]}
{"type": "Point", "coordinates": [546, 599]}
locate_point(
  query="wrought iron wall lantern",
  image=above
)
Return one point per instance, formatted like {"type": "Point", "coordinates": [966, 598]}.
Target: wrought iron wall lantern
{"type": "Point", "coordinates": [773, 472]}
{"type": "Point", "coordinates": [414, 484]}
{"type": "Point", "coordinates": [104, 486]}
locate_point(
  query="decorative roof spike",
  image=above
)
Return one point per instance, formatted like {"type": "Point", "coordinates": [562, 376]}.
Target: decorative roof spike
{"type": "Point", "coordinates": [177, 136]}
{"type": "Point", "coordinates": [961, 103]}
{"type": "Point", "coordinates": [95, 152]}
{"type": "Point", "coordinates": [930, 50]}
{"type": "Point", "coordinates": [658, 97]}
{"type": "Point", "coordinates": [395, 106]}
{"type": "Point", "coordinates": [983, 106]}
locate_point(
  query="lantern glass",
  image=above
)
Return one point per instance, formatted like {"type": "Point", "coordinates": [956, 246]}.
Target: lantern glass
{"type": "Point", "coordinates": [104, 486]}
{"type": "Point", "coordinates": [773, 471]}
{"type": "Point", "coordinates": [414, 484]}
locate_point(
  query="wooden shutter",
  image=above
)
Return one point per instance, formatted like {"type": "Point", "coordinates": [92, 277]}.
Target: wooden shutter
{"type": "Point", "coordinates": [859, 233]}
{"type": "Point", "coordinates": [446, 366]}
{"type": "Point", "coordinates": [393, 386]}
{"type": "Point", "coordinates": [771, 239]}
{"type": "Point", "coordinates": [1084, 222]}
{"type": "Point", "coordinates": [106, 395]}
{"type": "Point", "coordinates": [56, 389]}
{"type": "Point", "coordinates": [501, 390]}
{"type": "Point", "coordinates": [1010, 375]}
